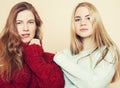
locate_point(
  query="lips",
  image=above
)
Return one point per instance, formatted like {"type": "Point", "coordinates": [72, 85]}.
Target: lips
{"type": "Point", "coordinates": [25, 35]}
{"type": "Point", "coordinates": [83, 29]}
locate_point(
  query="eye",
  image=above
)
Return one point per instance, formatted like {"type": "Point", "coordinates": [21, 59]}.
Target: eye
{"type": "Point", "coordinates": [18, 22]}
{"type": "Point", "coordinates": [77, 19]}
{"type": "Point", "coordinates": [88, 18]}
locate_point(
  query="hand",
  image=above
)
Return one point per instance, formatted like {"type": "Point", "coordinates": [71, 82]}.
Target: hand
{"type": "Point", "coordinates": [115, 84]}
{"type": "Point", "coordinates": [35, 41]}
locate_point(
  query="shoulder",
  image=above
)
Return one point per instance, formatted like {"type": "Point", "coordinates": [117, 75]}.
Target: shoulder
{"type": "Point", "coordinates": [62, 55]}
{"type": "Point", "coordinates": [65, 52]}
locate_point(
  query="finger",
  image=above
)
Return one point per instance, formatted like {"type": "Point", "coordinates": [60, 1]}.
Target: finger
{"type": "Point", "coordinates": [34, 41]}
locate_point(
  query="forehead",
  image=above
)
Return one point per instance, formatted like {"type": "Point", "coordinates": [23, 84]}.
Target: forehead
{"type": "Point", "coordinates": [24, 15]}
{"type": "Point", "coordinates": [82, 11]}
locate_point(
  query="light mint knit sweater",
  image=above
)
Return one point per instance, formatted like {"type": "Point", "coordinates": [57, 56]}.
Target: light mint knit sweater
{"type": "Point", "coordinates": [80, 71]}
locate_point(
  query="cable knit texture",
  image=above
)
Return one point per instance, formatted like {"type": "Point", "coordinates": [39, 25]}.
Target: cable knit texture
{"type": "Point", "coordinates": [46, 72]}
{"type": "Point", "coordinates": [21, 79]}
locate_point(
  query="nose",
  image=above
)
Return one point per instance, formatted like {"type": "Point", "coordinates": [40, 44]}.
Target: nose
{"type": "Point", "coordinates": [83, 22]}
{"type": "Point", "coordinates": [26, 28]}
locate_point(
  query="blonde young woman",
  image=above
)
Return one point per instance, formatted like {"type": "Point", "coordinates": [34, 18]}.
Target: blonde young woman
{"type": "Point", "coordinates": [91, 60]}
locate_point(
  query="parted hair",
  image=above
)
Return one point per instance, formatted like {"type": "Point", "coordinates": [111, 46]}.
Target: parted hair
{"type": "Point", "coordinates": [100, 35]}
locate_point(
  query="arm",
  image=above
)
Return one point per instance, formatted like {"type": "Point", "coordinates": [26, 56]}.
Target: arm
{"type": "Point", "coordinates": [116, 79]}
{"type": "Point", "coordinates": [42, 65]}
{"type": "Point", "coordinates": [95, 78]}
{"type": "Point", "coordinates": [115, 84]}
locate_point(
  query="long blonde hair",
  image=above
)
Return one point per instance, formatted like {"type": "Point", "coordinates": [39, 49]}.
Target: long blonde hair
{"type": "Point", "coordinates": [11, 54]}
{"type": "Point", "coordinates": [100, 35]}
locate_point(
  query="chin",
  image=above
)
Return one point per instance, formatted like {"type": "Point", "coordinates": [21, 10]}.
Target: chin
{"type": "Point", "coordinates": [26, 41]}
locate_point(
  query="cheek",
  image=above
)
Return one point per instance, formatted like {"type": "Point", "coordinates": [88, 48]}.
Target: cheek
{"type": "Point", "coordinates": [77, 31]}
{"type": "Point", "coordinates": [19, 31]}
{"type": "Point", "coordinates": [90, 26]}
{"type": "Point", "coordinates": [33, 31]}
{"type": "Point", "coordinates": [77, 25]}
{"type": "Point", "coordinates": [77, 28]}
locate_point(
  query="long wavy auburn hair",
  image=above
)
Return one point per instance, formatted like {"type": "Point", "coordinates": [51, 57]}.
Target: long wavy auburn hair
{"type": "Point", "coordinates": [100, 35]}
{"type": "Point", "coordinates": [11, 52]}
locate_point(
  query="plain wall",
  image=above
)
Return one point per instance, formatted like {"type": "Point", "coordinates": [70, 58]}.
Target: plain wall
{"type": "Point", "coordinates": [56, 17]}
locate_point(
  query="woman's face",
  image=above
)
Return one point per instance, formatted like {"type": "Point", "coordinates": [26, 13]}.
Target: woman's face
{"type": "Point", "coordinates": [83, 22]}
{"type": "Point", "coordinates": [26, 26]}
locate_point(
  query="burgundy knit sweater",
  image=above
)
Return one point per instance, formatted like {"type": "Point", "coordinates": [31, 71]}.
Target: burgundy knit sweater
{"type": "Point", "coordinates": [21, 79]}
{"type": "Point", "coordinates": [46, 72]}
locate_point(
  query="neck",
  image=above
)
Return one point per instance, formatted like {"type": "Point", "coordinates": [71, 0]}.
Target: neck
{"type": "Point", "coordinates": [88, 43]}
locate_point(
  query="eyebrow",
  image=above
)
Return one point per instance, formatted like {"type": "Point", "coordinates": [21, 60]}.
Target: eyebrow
{"type": "Point", "coordinates": [80, 17]}
{"type": "Point", "coordinates": [28, 20]}
{"type": "Point", "coordinates": [31, 20]}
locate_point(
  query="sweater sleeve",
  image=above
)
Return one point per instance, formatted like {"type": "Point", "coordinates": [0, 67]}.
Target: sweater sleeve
{"type": "Point", "coordinates": [21, 79]}
{"type": "Point", "coordinates": [49, 74]}
{"type": "Point", "coordinates": [99, 77]}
